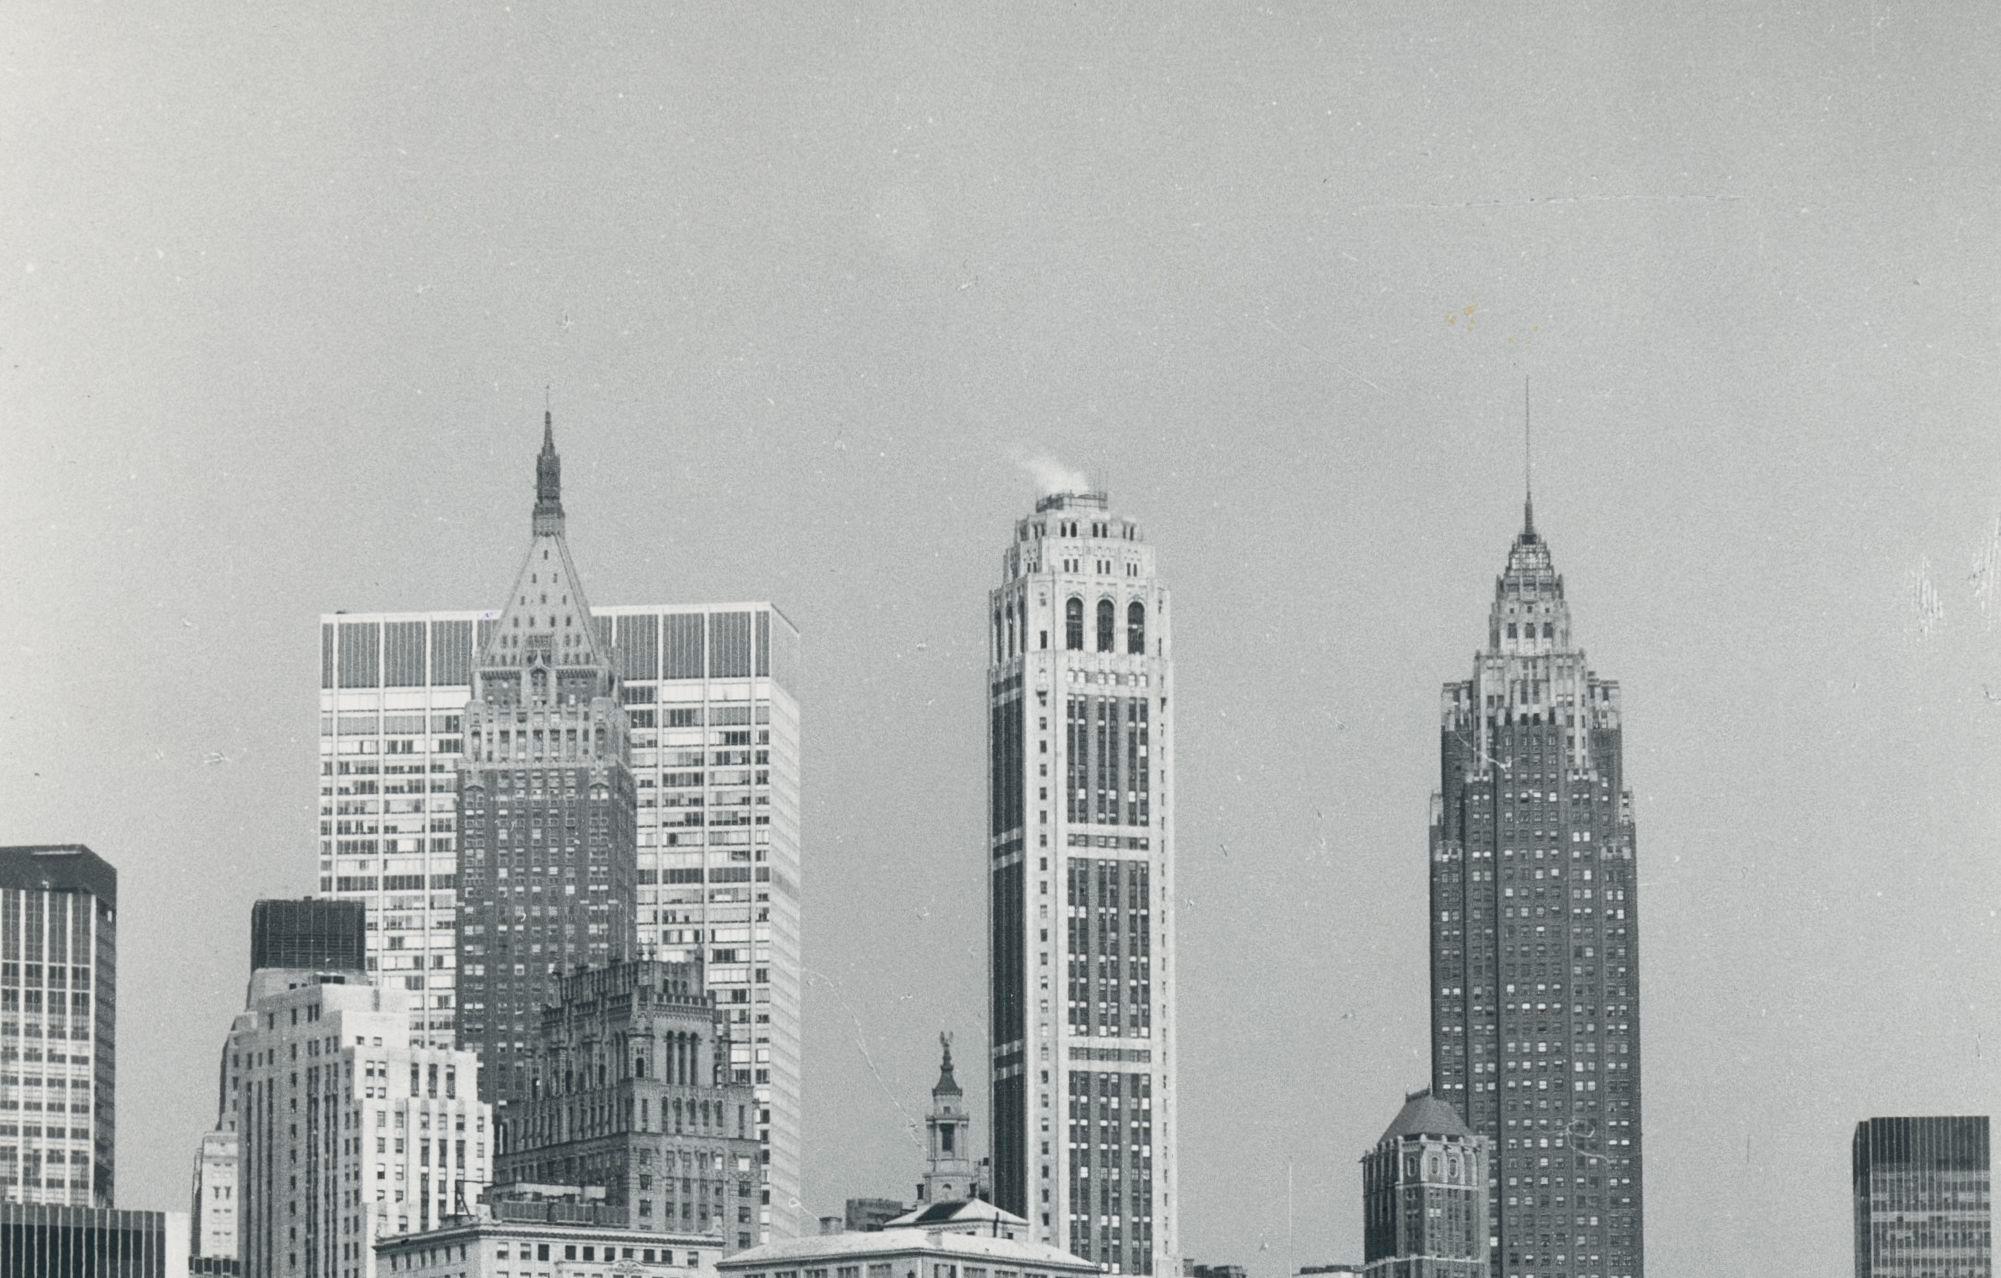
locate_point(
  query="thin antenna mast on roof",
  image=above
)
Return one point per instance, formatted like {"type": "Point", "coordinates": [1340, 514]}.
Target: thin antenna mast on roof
{"type": "Point", "coordinates": [1528, 461]}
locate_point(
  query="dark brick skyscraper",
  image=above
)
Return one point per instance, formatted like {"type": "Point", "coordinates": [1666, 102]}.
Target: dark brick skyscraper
{"type": "Point", "coordinates": [548, 857]}
{"type": "Point", "coordinates": [1535, 976]}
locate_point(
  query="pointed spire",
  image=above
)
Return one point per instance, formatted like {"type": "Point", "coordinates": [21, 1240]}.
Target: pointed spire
{"type": "Point", "coordinates": [548, 480]}
{"type": "Point", "coordinates": [947, 1084]}
{"type": "Point", "coordinates": [1528, 464]}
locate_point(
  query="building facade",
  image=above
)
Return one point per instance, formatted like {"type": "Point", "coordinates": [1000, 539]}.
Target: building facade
{"type": "Point", "coordinates": [1923, 1207]}
{"type": "Point", "coordinates": [213, 1196]}
{"type": "Point", "coordinates": [47, 1240]}
{"type": "Point", "coordinates": [1535, 966]}
{"type": "Point", "coordinates": [1424, 1196]}
{"type": "Point", "coordinates": [349, 1130]}
{"type": "Point", "coordinates": [710, 701]}
{"type": "Point", "coordinates": [547, 1238]}
{"type": "Point", "coordinates": [1080, 887]}
{"type": "Point", "coordinates": [292, 943]}
{"type": "Point", "coordinates": [632, 1091]}
{"type": "Point", "coordinates": [58, 1025]}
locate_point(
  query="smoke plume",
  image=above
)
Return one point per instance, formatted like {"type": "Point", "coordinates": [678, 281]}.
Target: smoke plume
{"type": "Point", "coordinates": [1051, 475]}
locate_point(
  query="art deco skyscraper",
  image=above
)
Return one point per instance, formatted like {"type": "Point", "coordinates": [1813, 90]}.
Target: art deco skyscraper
{"type": "Point", "coordinates": [1080, 888]}
{"type": "Point", "coordinates": [1535, 973]}
{"type": "Point", "coordinates": [1923, 1198]}
{"type": "Point", "coordinates": [548, 852]}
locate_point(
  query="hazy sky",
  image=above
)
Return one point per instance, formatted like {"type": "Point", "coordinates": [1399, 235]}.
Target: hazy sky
{"type": "Point", "coordinates": [283, 287]}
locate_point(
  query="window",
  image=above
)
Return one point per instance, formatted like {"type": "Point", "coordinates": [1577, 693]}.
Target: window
{"type": "Point", "coordinates": [1107, 617]}
{"type": "Point", "coordinates": [1136, 628]}
{"type": "Point", "coordinates": [1073, 625]}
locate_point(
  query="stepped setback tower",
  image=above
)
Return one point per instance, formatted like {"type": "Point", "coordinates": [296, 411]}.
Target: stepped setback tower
{"type": "Point", "coordinates": [1535, 972]}
{"type": "Point", "coordinates": [548, 860]}
{"type": "Point", "coordinates": [1080, 856]}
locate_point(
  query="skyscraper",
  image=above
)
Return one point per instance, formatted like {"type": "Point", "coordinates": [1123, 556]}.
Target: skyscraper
{"type": "Point", "coordinates": [1535, 975]}
{"type": "Point", "coordinates": [292, 943]}
{"type": "Point", "coordinates": [1922, 1198]}
{"type": "Point", "coordinates": [350, 1131]}
{"type": "Point", "coordinates": [1080, 887]}
{"type": "Point", "coordinates": [1424, 1195]}
{"type": "Point", "coordinates": [639, 1049]}
{"type": "Point", "coordinates": [548, 836]}
{"type": "Point", "coordinates": [58, 1011]}
{"type": "Point", "coordinates": [710, 691]}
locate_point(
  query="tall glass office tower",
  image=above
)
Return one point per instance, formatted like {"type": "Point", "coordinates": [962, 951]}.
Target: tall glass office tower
{"type": "Point", "coordinates": [710, 697]}
{"type": "Point", "coordinates": [58, 1025]}
{"type": "Point", "coordinates": [1923, 1198]}
{"type": "Point", "coordinates": [1535, 970]}
{"type": "Point", "coordinates": [1081, 887]}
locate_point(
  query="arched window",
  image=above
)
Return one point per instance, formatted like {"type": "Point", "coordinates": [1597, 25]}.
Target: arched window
{"type": "Point", "coordinates": [999, 651]}
{"type": "Point", "coordinates": [1136, 628]}
{"type": "Point", "coordinates": [1073, 625]}
{"type": "Point", "coordinates": [1010, 628]}
{"type": "Point", "coordinates": [1107, 622]}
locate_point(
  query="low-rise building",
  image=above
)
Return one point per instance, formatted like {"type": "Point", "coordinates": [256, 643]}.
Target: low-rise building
{"type": "Point", "coordinates": [912, 1253]}
{"type": "Point", "coordinates": [49, 1240]}
{"type": "Point", "coordinates": [535, 1234]}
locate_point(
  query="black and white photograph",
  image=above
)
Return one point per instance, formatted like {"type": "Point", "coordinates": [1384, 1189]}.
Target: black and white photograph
{"type": "Point", "coordinates": [898, 640]}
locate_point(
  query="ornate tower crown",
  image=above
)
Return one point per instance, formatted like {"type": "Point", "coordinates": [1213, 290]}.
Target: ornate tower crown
{"type": "Point", "coordinates": [546, 620]}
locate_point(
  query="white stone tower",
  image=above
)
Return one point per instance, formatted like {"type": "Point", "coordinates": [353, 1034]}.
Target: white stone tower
{"type": "Point", "coordinates": [949, 1172]}
{"type": "Point", "coordinates": [1081, 887]}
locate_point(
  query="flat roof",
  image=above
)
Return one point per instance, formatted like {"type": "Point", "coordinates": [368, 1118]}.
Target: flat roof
{"type": "Point", "coordinates": [58, 867]}
{"type": "Point", "coordinates": [796, 1252]}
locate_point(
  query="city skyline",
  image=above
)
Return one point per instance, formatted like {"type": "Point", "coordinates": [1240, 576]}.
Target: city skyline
{"type": "Point", "coordinates": [816, 295]}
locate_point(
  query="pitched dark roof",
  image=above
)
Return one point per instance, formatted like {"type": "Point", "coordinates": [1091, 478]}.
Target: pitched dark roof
{"type": "Point", "coordinates": [1425, 1115]}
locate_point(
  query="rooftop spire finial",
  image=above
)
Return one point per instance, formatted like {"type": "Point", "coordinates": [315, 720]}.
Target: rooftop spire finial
{"type": "Point", "coordinates": [548, 478]}
{"type": "Point", "coordinates": [946, 1081]}
{"type": "Point", "coordinates": [1528, 463]}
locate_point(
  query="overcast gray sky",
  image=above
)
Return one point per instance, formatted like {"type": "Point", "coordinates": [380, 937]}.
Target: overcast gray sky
{"type": "Point", "coordinates": [282, 289]}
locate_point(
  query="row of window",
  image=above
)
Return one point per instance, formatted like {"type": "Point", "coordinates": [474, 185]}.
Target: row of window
{"type": "Point", "coordinates": [1011, 629]}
